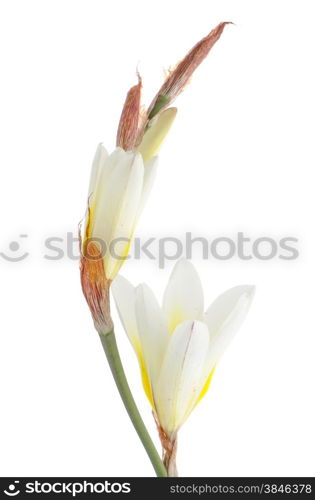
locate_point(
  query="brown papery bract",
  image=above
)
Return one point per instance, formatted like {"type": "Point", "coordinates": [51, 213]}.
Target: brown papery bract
{"type": "Point", "coordinates": [96, 286]}
{"type": "Point", "coordinates": [179, 77]}
{"type": "Point", "coordinates": [169, 447]}
{"type": "Point", "coordinates": [128, 127]}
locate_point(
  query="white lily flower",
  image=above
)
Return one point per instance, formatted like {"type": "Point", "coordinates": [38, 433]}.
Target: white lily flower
{"type": "Point", "coordinates": [119, 187]}
{"type": "Point", "coordinates": [178, 345]}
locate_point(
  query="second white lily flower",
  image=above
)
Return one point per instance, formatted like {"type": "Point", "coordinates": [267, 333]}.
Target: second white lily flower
{"type": "Point", "coordinates": [178, 345]}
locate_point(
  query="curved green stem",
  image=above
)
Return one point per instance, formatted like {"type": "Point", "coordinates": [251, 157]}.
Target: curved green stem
{"type": "Point", "coordinates": [110, 347]}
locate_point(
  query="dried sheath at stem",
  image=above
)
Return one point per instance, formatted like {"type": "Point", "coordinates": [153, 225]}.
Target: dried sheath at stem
{"type": "Point", "coordinates": [169, 447]}
{"type": "Point", "coordinates": [95, 287]}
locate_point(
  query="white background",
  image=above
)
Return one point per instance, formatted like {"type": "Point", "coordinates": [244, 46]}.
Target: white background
{"type": "Point", "coordinates": [240, 157]}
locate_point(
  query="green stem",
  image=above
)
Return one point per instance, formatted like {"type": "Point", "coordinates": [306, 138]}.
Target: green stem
{"type": "Point", "coordinates": [110, 347]}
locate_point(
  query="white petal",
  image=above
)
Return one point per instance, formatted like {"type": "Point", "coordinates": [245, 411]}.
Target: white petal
{"type": "Point", "coordinates": [224, 317]}
{"type": "Point", "coordinates": [150, 169]}
{"type": "Point", "coordinates": [183, 297]}
{"type": "Point", "coordinates": [99, 161]}
{"type": "Point", "coordinates": [107, 165]}
{"type": "Point", "coordinates": [153, 332]}
{"type": "Point", "coordinates": [116, 204]}
{"type": "Point", "coordinates": [124, 218]}
{"type": "Point", "coordinates": [114, 168]}
{"type": "Point", "coordinates": [125, 298]}
{"type": "Point", "coordinates": [181, 379]}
